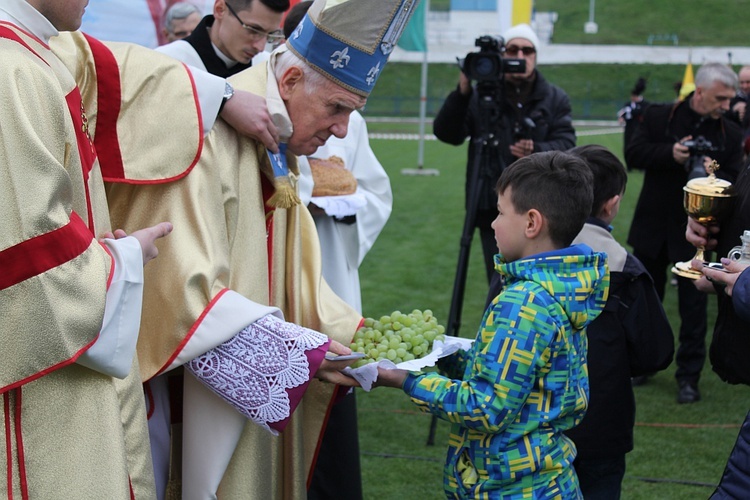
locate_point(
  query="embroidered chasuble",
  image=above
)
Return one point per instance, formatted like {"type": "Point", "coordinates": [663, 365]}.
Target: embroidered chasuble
{"type": "Point", "coordinates": [229, 261]}
{"type": "Point", "coordinates": [68, 431]}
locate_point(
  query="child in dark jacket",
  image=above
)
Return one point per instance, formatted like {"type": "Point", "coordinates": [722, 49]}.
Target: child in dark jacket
{"type": "Point", "coordinates": [631, 337]}
{"type": "Point", "coordinates": [523, 382]}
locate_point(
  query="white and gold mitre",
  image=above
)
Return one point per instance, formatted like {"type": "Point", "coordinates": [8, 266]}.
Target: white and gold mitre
{"type": "Point", "coordinates": [349, 41]}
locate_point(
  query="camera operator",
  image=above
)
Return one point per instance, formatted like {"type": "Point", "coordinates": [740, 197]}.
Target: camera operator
{"type": "Point", "coordinates": [527, 115]}
{"type": "Point", "coordinates": [663, 145]}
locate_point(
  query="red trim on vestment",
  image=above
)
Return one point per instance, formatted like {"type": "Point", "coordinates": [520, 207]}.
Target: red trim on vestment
{"type": "Point", "coordinates": [109, 105]}
{"type": "Point", "coordinates": [109, 102]}
{"type": "Point", "coordinates": [150, 405]}
{"type": "Point", "coordinates": [335, 398]}
{"type": "Point", "coordinates": [268, 191]}
{"type": "Point", "coordinates": [19, 448]}
{"type": "Point", "coordinates": [44, 252]}
{"type": "Point", "coordinates": [190, 333]}
{"type": "Point", "coordinates": [112, 267]}
{"type": "Point", "coordinates": [121, 179]}
{"type": "Point", "coordinates": [61, 364]}
{"type": "Point", "coordinates": [8, 446]}
{"type": "Point", "coordinates": [130, 485]}
{"type": "Point", "coordinates": [4, 25]}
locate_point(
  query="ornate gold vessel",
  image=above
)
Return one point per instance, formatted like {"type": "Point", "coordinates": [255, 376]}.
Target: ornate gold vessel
{"type": "Point", "coordinates": [706, 200]}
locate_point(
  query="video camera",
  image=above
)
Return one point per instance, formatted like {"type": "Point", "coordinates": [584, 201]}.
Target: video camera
{"type": "Point", "coordinates": [699, 149]}
{"type": "Point", "coordinates": [488, 65]}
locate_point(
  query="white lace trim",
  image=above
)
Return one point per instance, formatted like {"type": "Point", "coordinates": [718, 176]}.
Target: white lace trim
{"type": "Point", "coordinates": [253, 370]}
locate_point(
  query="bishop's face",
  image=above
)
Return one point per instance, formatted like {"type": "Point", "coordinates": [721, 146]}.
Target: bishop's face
{"type": "Point", "coordinates": [317, 114]}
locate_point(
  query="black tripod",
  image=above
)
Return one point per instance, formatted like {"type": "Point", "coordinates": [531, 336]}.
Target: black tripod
{"type": "Point", "coordinates": [485, 148]}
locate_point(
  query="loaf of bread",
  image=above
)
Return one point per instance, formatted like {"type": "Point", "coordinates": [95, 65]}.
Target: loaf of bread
{"type": "Point", "coordinates": [331, 177]}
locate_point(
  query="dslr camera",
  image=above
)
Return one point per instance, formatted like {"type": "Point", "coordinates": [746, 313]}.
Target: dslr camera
{"type": "Point", "coordinates": [488, 64]}
{"type": "Point", "coordinates": [699, 149]}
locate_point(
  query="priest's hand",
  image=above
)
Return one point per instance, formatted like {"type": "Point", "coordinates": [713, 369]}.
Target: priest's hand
{"type": "Point", "coordinates": [146, 237]}
{"type": "Point", "coordinates": [248, 115]}
{"type": "Point", "coordinates": [699, 235]}
{"type": "Point", "coordinates": [330, 370]}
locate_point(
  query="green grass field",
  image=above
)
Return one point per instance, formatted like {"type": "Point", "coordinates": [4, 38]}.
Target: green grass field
{"type": "Point", "coordinates": [680, 450]}
{"type": "Point", "coordinates": [695, 22]}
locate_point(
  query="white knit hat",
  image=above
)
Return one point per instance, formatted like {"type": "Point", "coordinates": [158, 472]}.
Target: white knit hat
{"type": "Point", "coordinates": [522, 31]}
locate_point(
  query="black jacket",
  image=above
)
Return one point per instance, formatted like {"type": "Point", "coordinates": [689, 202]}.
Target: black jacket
{"type": "Point", "coordinates": [547, 106]}
{"type": "Point", "coordinates": [730, 344]}
{"type": "Point", "coordinates": [659, 217]}
{"type": "Point", "coordinates": [631, 337]}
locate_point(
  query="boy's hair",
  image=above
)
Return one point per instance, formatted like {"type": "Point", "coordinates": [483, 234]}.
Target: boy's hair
{"type": "Point", "coordinates": [555, 183]}
{"type": "Point", "coordinates": [610, 176]}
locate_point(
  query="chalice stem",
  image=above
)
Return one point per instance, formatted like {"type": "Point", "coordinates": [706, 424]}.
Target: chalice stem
{"type": "Point", "coordinates": [699, 254]}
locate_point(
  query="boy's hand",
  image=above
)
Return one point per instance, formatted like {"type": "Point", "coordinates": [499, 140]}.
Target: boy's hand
{"type": "Point", "coordinates": [390, 378]}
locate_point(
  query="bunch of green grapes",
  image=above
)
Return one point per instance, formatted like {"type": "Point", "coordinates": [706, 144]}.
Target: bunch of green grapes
{"type": "Point", "coordinates": [398, 337]}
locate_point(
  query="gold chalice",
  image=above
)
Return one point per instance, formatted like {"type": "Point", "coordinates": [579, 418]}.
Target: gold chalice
{"type": "Point", "coordinates": [706, 200]}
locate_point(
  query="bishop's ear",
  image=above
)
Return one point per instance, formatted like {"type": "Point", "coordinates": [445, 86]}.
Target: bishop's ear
{"type": "Point", "coordinates": [291, 80]}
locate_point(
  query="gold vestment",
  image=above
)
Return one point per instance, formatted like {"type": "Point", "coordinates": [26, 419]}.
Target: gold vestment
{"type": "Point", "coordinates": [72, 432]}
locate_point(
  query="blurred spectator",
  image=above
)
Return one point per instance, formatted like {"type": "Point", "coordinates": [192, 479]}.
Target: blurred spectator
{"type": "Point", "coordinates": [632, 113]}
{"type": "Point", "coordinates": [661, 146]}
{"type": "Point", "coordinates": [180, 20]}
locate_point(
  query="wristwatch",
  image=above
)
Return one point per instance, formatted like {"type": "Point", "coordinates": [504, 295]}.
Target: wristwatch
{"type": "Point", "coordinates": [228, 93]}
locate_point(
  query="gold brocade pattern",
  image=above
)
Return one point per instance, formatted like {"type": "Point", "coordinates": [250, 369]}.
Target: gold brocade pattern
{"type": "Point", "coordinates": [83, 434]}
{"type": "Point", "coordinates": [141, 107]}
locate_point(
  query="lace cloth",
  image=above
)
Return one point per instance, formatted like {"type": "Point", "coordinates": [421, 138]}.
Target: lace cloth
{"type": "Point", "coordinates": [253, 370]}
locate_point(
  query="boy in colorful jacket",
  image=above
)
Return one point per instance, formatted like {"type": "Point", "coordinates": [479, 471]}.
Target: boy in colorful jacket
{"type": "Point", "coordinates": [524, 381]}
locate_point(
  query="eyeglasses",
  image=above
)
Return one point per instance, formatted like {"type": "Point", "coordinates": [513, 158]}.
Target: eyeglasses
{"type": "Point", "coordinates": [513, 50]}
{"type": "Point", "coordinates": [255, 33]}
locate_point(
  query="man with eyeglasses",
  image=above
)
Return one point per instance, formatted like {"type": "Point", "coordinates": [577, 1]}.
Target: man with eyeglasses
{"type": "Point", "coordinates": [532, 115]}
{"type": "Point", "coordinates": [226, 42]}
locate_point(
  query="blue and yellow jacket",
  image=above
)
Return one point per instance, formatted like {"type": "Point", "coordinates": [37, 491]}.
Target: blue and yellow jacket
{"type": "Point", "coordinates": [523, 383]}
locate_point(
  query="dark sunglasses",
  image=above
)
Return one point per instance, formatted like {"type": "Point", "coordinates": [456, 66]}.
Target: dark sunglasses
{"type": "Point", "coordinates": [512, 50]}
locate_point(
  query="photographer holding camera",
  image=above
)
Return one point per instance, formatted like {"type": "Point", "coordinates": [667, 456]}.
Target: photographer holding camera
{"type": "Point", "coordinates": [673, 143]}
{"type": "Point", "coordinates": [510, 113]}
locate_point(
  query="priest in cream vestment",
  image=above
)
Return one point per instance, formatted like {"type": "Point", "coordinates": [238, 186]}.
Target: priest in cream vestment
{"type": "Point", "coordinates": [74, 422]}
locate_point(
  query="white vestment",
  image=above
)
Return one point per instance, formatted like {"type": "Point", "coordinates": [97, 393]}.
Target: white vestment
{"type": "Point", "coordinates": [344, 246]}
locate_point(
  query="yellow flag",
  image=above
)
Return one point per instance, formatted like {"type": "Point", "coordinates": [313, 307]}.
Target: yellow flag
{"type": "Point", "coordinates": [688, 82]}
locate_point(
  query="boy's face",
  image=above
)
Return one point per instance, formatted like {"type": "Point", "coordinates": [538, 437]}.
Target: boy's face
{"type": "Point", "coordinates": [510, 228]}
